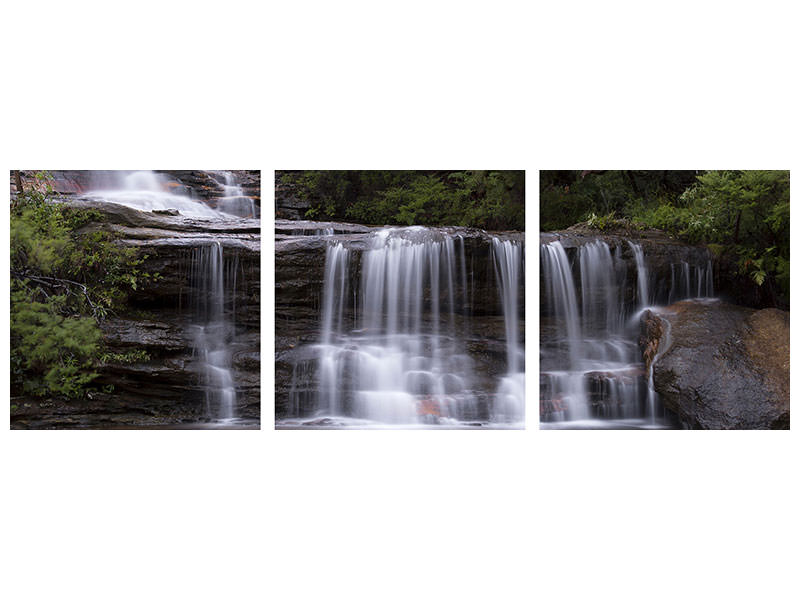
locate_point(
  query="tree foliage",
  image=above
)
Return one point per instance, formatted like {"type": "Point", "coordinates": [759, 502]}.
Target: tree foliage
{"type": "Point", "coordinates": [741, 215]}
{"type": "Point", "coordinates": [488, 199]}
{"type": "Point", "coordinates": [63, 282]}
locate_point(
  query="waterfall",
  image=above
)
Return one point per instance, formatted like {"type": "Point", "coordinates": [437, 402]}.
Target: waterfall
{"type": "Point", "coordinates": [206, 245]}
{"type": "Point", "coordinates": [510, 400]}
{"type": "Point", "coordinates": [212, 276]}
{"type": "Point", "coordinates": [148, 181]}
{"type": "Point", "coordinates": [567, 394]}
{"type": "Point", "coordinates": [409, 366]}
{"type": "Point", "coordinates": [149, 191]}
{"type": "Point", "coordinates": [561, 296]}
{"type": "Point", "coordinates": [395, 329]}
{"type": "Point", "coordinates": [592, 372]}
{"type": "Point", "coordinates": [234, 201]}
{"type": "Point", "coordinates": [641, 275]}
{"type": "Point", "coordinates": [691, 281]}
{"type": "Point", "coordinates": [599, 303]}
{"type": "Point", "coordinates": [331, 364]}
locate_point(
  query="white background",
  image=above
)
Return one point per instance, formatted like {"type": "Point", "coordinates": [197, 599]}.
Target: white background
{"type": "Point", "coordinates": [396, 514]}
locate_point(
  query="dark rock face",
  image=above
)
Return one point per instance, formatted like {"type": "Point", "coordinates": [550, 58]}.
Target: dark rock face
{"type": "Point", "coordinates": [739, 288]}
{"type": "Point", "coordinates": [300, 251]}
{"type": "Point", "coordinates": [287, 203]}
{"type": "Point", "coordinates": [723, 366]}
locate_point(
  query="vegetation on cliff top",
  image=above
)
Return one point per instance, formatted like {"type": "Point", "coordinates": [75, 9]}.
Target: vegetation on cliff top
{"type": "Point", "coordinates": [743, 216]}
{"type": "Point", "coordinates": [62, 284]}
{"type": "Point", "coordinates": [493, 200]}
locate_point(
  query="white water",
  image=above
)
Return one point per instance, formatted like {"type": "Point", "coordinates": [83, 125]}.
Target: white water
{"type": "Point", "coordinates": [234, 201]}
{"type": "Point", "coordinates": [212, 276]}
{"type": "Point", "coordinates": [641, 275]}
{"type": "Point", "coordinates": [509, 406]}
{"type": "Point", "coordinates": [691, 281]}
{"type": "Point", "coordinates": [591, 365]}
{"type": "Point", "coordinates": [392, 349]}
{"type": "Point", "coordinates": [148, 191]}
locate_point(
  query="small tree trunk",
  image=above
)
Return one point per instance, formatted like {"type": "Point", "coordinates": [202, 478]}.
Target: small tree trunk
{"type": "Point", "coordinates": [736, 229]}
{"type": "Point", "coordinates": [18, 182]}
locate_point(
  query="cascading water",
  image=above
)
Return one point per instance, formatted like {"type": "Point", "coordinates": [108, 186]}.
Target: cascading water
{"type": "Point", "coordinates": [509, 406]}
{"type": "Point", "coordinates": [234, 201]}
{"type": "Point", "coordinates": [691, 281]}
{"type": "Point", "coordinates": [148, 191]}
{"type": "Point", "coordinates": [212, 277]}
{"type": "Point", "coordinates": [592, 372]}
{"type": "Point", "coordinates": [151, 191]}
{"type": "Point", "coordinates": [395, 327]}
{"type": "Point", "coordinates": [641, 275]}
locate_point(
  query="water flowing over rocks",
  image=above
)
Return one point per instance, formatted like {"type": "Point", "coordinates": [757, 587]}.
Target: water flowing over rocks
{"type": "Point", "coordinates": [208, 187]}
{"type": "Point", "coordinates": [724, 366]}
{"type": "Point", "coordinates": [198, 319]}
{"type": "Point", "coordinates": [412, 306]}
{"type": "Point", "coordinates": [593, 285]}
{"type": "Point", "coordinates": [673, 267]}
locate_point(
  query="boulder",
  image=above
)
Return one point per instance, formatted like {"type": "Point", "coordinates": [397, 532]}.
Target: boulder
{"type": "Point", "coordinates": [721, 366]}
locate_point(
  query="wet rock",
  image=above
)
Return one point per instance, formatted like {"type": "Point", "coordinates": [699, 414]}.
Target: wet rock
{"type": "Point", "coordinates": [724, 366]}
{"type": "Point", "coordinates": [247, 361]}
{"type": "Point", "coordinates": [651, 330]}
{"type": "Point", "coordinates": [158, 336]}
{"type": "Point", "coordinates": [318, 228]}
{"type": "Point", "coordinates": [137, 224]}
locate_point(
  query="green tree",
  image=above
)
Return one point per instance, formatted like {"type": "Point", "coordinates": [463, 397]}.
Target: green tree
{"type": "Point", "coordinates": [64, 280]}
{"type": "Point", "coordinates": [486, 199]}
{"type": "Point", "coordinates": [742, 215]}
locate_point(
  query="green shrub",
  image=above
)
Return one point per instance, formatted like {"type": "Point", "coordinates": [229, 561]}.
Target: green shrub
{"type": "Point", "coordinates": [50, 353]}
{"type": "Point", "coordinates": [486, 199]}
{"type": "Point", "coordinates": [63, 282]}
{"type": "Point", "coordinates": [742, 215]}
